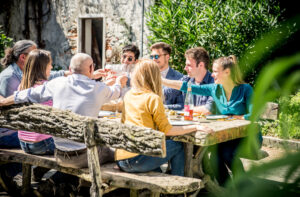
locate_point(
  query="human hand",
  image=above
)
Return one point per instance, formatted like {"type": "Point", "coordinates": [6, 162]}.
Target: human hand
{"type": "Point", "coordinates": [100, 73]}
{"type": "Point", "coordinates": [122, 80]}
{"type": "Point", "coordinates": [110, 81]}
{"type": "Point", "coordinates": [204, 129]}
{"type": "Point", "coordinates": [202, 110]}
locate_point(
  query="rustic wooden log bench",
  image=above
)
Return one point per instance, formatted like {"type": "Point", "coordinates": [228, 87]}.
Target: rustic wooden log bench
{"type": "Point", "coordinates": [91, 131]}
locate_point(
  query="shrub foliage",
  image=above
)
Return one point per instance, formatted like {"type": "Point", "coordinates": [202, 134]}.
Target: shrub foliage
{"type": "Point", "coordinates": [222, 27]}
{"type": "Point", "coordinates": [4, 42]}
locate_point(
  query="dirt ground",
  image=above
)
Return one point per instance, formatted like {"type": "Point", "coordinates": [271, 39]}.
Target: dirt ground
{"type": "Point", "coordinates": [273, 153]}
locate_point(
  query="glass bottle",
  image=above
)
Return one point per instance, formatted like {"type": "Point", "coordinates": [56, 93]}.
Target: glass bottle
{"type": "Point", "coordinates": [189, 103]}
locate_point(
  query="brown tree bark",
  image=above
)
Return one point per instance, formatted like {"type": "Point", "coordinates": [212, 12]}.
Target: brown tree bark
{"type": "Point", "coordinates": [66, 124]}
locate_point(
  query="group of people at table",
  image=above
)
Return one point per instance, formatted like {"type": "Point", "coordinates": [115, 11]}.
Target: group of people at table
{"type": "Point", "coordinates": [154, 87]}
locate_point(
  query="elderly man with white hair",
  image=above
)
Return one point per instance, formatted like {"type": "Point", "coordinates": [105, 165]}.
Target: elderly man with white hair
{"type": "Point", "coordinates": [80, 94]}
{"type": "Point", "coordinates": [77, 92]}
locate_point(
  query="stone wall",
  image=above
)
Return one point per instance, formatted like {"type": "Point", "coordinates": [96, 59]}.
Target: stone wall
{"type": "Point", "coordinates": [53, 24]}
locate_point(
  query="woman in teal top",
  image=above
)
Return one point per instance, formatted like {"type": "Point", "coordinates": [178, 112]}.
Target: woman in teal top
{"type": "Point", "coordinates": [232, 97]}
{"type": "Point", "coordinates": [238, 104]}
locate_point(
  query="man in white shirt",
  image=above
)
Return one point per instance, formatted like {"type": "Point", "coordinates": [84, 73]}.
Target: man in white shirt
{"type": "Point", "coordinates": [77, 92]}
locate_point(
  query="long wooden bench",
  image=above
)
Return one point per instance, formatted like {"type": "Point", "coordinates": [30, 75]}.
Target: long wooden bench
{"type": "Point", "coordinates": [92, 132]}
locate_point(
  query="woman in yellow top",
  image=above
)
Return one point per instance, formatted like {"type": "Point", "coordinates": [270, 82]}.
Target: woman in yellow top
{"type": "Point", "coordinates": [143, 106]}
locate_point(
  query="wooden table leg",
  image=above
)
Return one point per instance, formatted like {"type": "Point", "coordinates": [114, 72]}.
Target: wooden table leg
{"type": "Point", "coordinates": [203, 171]}
{"type": "Point", "coordinates": [188, 168]}
{"type": "Point", "coordinates": [26, 179]}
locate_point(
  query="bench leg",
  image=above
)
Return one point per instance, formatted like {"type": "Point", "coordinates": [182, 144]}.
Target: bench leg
{"type": "Point", "coordinates": [94, 169]}
{"type": "Point", "coordinates": [154, 194]}
{"type": "Point", "coordinates": [26, 179]}
{"type": "Point", "coordinates": [133, 193]}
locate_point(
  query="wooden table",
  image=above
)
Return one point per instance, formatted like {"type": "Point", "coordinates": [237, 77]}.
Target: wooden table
{"type": "Point", "coordinates": [222, 131]}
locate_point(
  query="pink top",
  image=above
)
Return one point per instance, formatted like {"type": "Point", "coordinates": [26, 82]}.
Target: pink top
{"type": "Point", "coordinates": [32, 136]}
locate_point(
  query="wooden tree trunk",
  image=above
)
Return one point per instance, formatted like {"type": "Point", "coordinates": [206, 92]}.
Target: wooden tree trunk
{"type": "Point", "coordinates": [93, 159]}
{"type": "Point", "coordinates": [66, 124]}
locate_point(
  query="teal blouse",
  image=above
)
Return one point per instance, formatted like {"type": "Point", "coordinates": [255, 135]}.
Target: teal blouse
{"type": "Point", "coordinates": [239, 103]}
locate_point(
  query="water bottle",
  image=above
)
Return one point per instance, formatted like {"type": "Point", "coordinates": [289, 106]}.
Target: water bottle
{"type": "Point", "coordinates": [189, 103]}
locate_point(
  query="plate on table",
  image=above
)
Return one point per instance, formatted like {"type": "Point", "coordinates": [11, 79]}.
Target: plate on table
{"type": "Point", "coordinates": [181, 123]}
{"type": "Point", "coordinates": [216, 117]}
{"type": "Point", "coordinates": [181, 113]}
{"type": "Point", "coordinates": [106, 113]}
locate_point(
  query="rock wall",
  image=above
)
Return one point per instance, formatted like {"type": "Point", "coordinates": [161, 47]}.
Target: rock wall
{"type": "Point", "coordinates": [52, 24]}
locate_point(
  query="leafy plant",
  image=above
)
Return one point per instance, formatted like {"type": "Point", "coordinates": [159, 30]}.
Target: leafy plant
{"type": "Point", "coordinates": [221, 27]}
{"type": "Point", "coordinates": [289, 126]}
{"type": "Point", "coordinates": [4, 42]}
{"type": "Point", "coordinates": [265, 91]}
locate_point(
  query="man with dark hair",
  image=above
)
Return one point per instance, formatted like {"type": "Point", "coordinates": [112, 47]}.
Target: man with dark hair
{"type": "Point", "coordinates": [130, 54]}
{"type": "Point", "coordinates": [196, 66]}
{"type": "Point", "coordinates": [160, 53]}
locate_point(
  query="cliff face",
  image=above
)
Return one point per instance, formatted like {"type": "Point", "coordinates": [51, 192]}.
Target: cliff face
{"type": "Point", "coordinates": [52, 24]}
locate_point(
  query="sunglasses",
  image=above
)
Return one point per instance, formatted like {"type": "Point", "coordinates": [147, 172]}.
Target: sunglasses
{"type": "Point", "coordinates": [129, 58]}
{"type": "Point", "coordinates": [156, 56]}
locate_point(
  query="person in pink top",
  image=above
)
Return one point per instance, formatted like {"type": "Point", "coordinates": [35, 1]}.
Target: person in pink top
{"type": "Point", "coordinates": [36, 71]}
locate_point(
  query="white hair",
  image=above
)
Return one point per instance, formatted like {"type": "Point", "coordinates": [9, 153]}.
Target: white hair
{"type": "Point", "coordinates": [77, 62]}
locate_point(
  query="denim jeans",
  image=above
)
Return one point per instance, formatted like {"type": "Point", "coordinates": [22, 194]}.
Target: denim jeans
{"type": "Point", "coordinates": [142, 163]}
{"type": "Point", "coordinates": [44, 147]}
{"type": "Point", "coordinates": [10, 141]}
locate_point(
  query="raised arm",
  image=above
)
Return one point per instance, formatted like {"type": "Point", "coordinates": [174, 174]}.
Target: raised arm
{"type": "Point", "coordinates": [175, 84]}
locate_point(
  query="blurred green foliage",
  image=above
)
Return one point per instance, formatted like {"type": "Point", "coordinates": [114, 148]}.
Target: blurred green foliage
{"type": "Point", "coordinates": [285, 73]}
{"type": "Point", "coordinates": [288, 124]}
{"type": "Point", "coordinates": [4, 43]}
{"type": "Point", "coordinates": [221, 27]}
{"type": "Point", "coordinates": [289, 118]}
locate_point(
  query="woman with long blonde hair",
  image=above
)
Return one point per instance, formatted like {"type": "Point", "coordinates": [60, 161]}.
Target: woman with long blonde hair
{"type": "Point", "coordinates": [143, 106]}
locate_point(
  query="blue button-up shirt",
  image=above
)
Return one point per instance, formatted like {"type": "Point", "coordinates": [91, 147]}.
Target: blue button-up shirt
{"type": "Point", "coordinates": [76, 93]}
{"type": "Point", "coordinates": [200, 100]}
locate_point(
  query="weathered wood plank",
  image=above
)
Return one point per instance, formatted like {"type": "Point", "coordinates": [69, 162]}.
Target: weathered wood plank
{"type": "Point", "coordinates": [222, 131]}
{"type": "Point", "coordinates": [158, 182]}
{"type": "Point", "coordinates": [26, 179]}
{"type": "Point", "coordinates": [65, 124]}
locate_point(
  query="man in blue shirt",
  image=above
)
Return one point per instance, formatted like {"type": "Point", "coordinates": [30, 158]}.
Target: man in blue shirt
{"type": "Point", "coordinates": [160, 53]}
{"type": "Point", "coordinates": [196, 66]}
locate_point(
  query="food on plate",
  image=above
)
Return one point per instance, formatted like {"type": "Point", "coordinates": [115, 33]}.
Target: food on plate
{"type": "Point", "coordinates": [172, 113]}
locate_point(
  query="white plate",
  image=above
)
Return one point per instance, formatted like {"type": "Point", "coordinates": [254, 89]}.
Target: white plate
{"type": "Point", "coordinates": [180, 112]}
{"type": "Point", "coordinates": [215, 117]}
{"type": "Point", "coordinates": [106, 113]}
{"type": "Point", "coordinates": [181, 123]}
